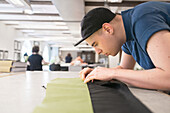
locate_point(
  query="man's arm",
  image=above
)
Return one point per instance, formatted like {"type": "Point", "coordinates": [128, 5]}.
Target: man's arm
{"type": "Point", "coordinates": [158, 48]}
{"type": "Point", "coordinates": [127, 61]}
{"type": "Point", "coordinates": [45, 63]}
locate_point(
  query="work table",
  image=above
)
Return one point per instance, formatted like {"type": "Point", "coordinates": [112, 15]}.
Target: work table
{"type": "Point", "coordinates": [22, 92]}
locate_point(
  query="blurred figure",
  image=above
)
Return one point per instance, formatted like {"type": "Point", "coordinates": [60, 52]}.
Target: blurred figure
{"type": "Point", "coordinates": [35, 61]}
{"type": "Point", "coordinates": [68, 58]}
{"type": "Point", "coordinates": [61, 59]}
{"type": "Point", "coordinates": [55, 64]}
{"type": "Point", "coordinates": [78, 61]}
{"type": "Point", "coordinates": [26, 57]}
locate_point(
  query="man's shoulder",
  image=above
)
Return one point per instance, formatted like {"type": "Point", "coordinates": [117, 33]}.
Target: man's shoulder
{"type": "Point", "coordinates": [30, 56]}
{"type": "Point", "coordinates": [148, 8]}
{"type": "Point", "coordinates": [39, 55]}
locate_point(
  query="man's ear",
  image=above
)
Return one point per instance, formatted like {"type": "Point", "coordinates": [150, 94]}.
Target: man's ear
{"type": "Point", "coordinates": [108, 28]}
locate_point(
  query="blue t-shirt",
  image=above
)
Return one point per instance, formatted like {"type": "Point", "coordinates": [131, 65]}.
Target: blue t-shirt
{"type": "Point", "coordinates": [140, 24]}
{"type": "Point", "coordinates": [35, 61]}
{"type": "Point", "coordinates": [68, 59]}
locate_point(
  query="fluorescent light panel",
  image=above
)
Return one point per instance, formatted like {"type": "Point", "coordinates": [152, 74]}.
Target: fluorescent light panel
{"type": "Point", "coordinates": [115, 1]}
{"type": "Point", "coordinates": [28, 11]}
{"type": "Point", "coordinates": [17, 3]}
{"type": "Point", "coordinates": [22, 4]}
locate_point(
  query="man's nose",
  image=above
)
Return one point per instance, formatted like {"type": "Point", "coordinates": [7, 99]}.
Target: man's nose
{"type": "Point", "coordinates": [98, 51]}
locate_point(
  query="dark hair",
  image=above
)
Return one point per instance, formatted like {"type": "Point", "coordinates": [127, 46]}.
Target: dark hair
{"type": "Point", "coordinates": [35, 49]}
{"type": "Point", "coordinates": [25, 54]}
{"type": "Point", "coordinates": [69, 54]}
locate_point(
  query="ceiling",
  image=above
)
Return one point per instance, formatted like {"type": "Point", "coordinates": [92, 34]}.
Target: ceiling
{"type": "Point", "coordinates": [57, 21]}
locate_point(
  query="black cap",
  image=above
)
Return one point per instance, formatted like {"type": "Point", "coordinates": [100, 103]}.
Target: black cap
{"type": "Point", "coordinates": [93, 21]}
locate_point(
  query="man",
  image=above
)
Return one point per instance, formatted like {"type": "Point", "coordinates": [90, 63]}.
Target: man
{"type": "Point", "coordinates": [68, 58]}
{"type": "Point", "coordinates": [144, 35]}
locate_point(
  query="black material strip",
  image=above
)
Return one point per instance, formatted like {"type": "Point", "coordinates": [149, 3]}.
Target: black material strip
{"type": "Point", "coordinates": [114, 97]}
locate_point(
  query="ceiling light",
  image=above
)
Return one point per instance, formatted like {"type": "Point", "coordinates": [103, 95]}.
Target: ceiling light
{"type": "Point", "coordinates": [28, 11]}
{"type": "Point", "coordinates": [20, 3]}
{"type": "Point", "coordinates": [119, 1]}
{"type": "Point", "coordinates": [25, 4]}
{"type": "Point", "coordinates": [17, 3]}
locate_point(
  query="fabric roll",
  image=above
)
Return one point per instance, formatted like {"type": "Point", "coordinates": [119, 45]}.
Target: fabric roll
{"type": "Point", "coordinates": [114, 97]}
{"type": "Point", "coordinates": [66, 95]}
{"type": "Point", "coordinates": [5, 66]}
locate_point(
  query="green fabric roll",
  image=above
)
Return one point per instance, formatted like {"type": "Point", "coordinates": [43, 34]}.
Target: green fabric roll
{"type": "Point", "coordinates": [66, 95]}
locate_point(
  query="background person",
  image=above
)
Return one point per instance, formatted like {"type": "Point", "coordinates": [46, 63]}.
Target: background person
{"type": "Point", "coordinates": [68, 58]}
{"type": "Point", "coordinates": [78, 61]}
{"type": "Point", "coordinates": [35, 61]}
{"type": "Point", "coordinates": [26, 57]}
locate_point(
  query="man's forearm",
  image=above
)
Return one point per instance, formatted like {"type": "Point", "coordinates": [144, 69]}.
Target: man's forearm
{"type": "Point", "coordinates": [150, 79]}
{"type": "Point", "coordinates": [117, 67]}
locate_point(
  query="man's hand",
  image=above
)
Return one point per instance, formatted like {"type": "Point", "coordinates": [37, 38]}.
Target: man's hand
{"type": "Point", "coordinates": [100, 73]}
{"type": "Point", "coordinates": [85, 72]}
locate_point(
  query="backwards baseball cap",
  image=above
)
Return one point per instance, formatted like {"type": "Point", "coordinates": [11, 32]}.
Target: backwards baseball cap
{"type": "Point", "coordinates": [93, 21]}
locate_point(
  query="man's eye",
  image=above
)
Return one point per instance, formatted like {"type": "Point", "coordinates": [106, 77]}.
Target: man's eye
{"type": "Point", "coordinates": [95, 45]}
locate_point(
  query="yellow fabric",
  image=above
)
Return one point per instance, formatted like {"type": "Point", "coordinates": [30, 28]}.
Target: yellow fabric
{"type": "Point", "coordinates": [5, 66]}
{"type": "Point", "coordinates": [5, 69]}
{"type": "Point", "coordinates": [66, 95]}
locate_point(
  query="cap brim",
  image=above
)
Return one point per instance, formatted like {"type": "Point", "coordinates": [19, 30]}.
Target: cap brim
{"type": "Point", "coordinates": [80, 41]}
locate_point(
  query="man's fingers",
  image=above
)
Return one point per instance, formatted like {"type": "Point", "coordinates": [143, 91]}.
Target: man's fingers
{"type": "Point", "coordinates": [80, 71]}
{"type": "Point", "coordinates": [83, 76]}
{"type": "Point", "coordinates": [88, 78]}
{"type": "Point", "coordinates": [84, 72]}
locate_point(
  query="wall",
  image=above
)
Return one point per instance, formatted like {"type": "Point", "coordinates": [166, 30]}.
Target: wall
{"type": "Point", "coordinates": [54, 55]}
{"type": "Point", "coordinates": [7, 37]}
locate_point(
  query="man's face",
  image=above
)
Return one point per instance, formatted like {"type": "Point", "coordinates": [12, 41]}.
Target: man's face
{"type": "Point", "coordinates": [104, 43]}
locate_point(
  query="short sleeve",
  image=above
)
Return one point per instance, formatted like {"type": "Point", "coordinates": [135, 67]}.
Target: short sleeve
{"type": "Point", "coordinates": [149, 24]}
{"type": "Point", "coordinates": [125, 49]}
{"type": "Point", "coordinates": [41, 57]}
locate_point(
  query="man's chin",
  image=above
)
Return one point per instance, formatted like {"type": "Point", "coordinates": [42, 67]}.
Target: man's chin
{"type": "Point", "coordinates": [113, 54]}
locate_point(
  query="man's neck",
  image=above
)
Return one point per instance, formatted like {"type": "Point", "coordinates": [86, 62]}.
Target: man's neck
{"type": "Point", "coordinates": [34, 53]}
{"type": "Point", "coordinates": [123, 33]}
